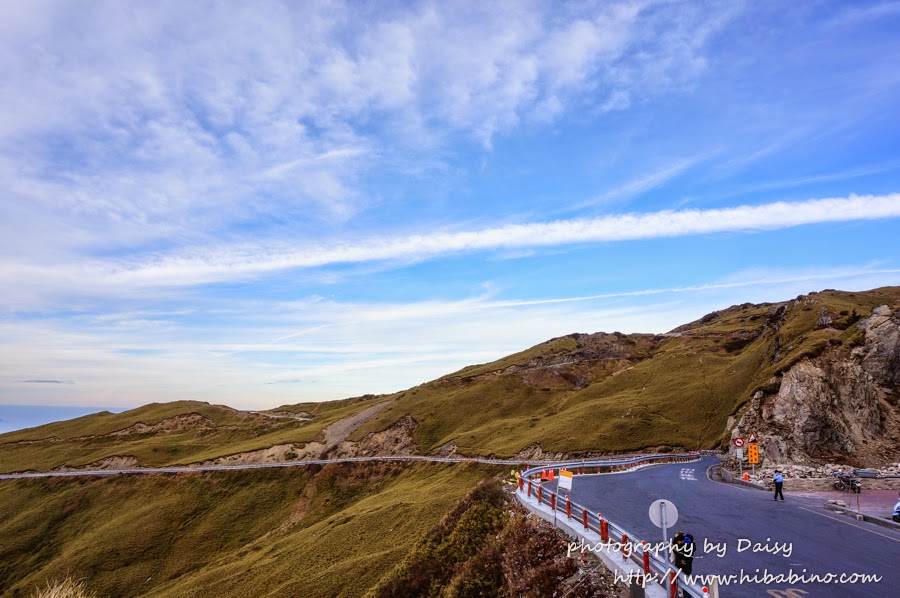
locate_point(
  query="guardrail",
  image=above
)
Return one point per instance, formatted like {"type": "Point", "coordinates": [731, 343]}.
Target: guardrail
{"type": "Point", "coordinates": [531, 491]}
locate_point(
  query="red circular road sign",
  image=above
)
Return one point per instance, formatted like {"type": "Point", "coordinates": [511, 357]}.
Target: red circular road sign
{"type": "Point", "coordinates": [738, 442]}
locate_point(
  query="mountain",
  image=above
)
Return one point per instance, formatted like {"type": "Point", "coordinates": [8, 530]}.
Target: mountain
{"type": "Point", "coordinates": [341, 527]}
{"type": "Point", "coordinates": [816, 377]}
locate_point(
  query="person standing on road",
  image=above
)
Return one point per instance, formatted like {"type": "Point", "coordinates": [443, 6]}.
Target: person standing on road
{"type": "Point", "coordinates": [779, 483]}
{"type": "Point", "coordinates": [682, 552]}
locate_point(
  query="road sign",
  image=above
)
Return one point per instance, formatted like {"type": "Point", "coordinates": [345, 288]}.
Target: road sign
{"type": "Point", "coordinates": [752, 438]}
{"type": "Point", "coordinates": [565, 479]}
{"type": "Point", "coordinates": [663, 514]}
{"type": "Point", "coordinates": [738, 442]}
{"type": "Point", "coordinates": [753, 454]}
{"type": "Point", "coordinates": [740, 454]}
{"type": "Point", "coordinates": [662, 511]}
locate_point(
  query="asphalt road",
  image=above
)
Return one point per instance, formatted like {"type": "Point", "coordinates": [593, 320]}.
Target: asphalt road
{"type": "Point", "coordinates": [802, 534]}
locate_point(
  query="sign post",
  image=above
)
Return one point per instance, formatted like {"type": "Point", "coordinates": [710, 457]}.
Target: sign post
{"type": "Point", "coordinates": [739, 443]}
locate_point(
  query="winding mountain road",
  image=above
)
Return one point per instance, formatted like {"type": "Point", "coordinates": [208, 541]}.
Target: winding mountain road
{"type": "Point", "coordinates": [739, 531]}
{"type": "Point", "coordinates": [756, 532]}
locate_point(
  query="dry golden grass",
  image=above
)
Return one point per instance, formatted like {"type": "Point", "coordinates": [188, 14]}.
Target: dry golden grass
{"type": "Point", "coordinates": [672, 391]}
{"type": "Point", "coordinates": [67, 588]}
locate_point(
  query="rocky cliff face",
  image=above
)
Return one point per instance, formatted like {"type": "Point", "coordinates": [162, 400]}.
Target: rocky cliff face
{"type": "Point", "coordinates": [843, 405]}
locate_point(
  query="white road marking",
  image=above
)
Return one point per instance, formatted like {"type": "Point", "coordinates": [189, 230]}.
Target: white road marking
{"type": "Point", "coordinates": [687, 473]}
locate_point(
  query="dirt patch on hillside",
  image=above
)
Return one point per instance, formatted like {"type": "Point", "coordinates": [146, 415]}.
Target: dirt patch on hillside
{"type": "Point", "coordinates": [114, 462]}
{"type": "Point", "coordinates": [396, 440]}
{"type": "Point", "coordinates": [342, 428]}
{"type": "Point", "coordinates": [278, 453]}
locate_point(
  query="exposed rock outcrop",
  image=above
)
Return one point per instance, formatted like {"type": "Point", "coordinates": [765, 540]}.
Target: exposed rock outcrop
{"type": "Point", "coordinates": [273, 454]}
{"type": "Point", "coordinates": [840, 405]}
{"type": "Point", "coordinates": [396, 440]}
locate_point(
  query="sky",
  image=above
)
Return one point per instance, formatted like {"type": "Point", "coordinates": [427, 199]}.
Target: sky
{"type": "Point", "coordinates": [264, 203]}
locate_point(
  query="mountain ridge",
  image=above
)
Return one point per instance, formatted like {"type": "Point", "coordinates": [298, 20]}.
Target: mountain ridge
{"type": "Point", "coordinates": [577, 394]}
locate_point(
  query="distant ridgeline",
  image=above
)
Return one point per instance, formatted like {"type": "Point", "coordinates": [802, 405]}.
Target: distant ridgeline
{"type": "Point", "coordinates": [814, 377]}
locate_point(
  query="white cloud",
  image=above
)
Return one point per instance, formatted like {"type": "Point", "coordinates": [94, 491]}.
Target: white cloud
{"type": "Point", "coordinates": [251, 352]}
{"type": "Point", "coordinates": [229, 265]}
{"type": "Point", "coordinates": [124, 124]}
{"type": "Point", "coordinates": [31, 283]}
{"type": "Point", "coordinates": [648, 181]}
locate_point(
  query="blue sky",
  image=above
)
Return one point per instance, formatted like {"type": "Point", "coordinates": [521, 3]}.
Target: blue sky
{"type": "Point", "coordinates": [265, 203]}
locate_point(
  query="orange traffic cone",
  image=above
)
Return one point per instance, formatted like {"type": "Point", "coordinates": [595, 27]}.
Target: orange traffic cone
{"type": "Point", "coordinates": [543, 474]}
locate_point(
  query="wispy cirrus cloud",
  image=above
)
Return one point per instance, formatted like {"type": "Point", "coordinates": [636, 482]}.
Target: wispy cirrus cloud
{"type": "Point", "coordinates": [128, 124]}
{"type": "Point", "coordinates": [319, 348]}
{"type": "Point", "coordinates": [647, 182]}
{"type": "Point", "coordinates": [625, 227]}
{"type": "Point", "coordinates": [243, 262]}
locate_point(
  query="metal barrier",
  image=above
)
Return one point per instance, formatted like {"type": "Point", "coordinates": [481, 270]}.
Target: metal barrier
{"type": "Point", "coordinates": [596, 523]}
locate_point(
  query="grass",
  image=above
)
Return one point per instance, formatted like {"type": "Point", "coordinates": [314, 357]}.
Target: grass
{"type": "Point", "coordinates": [634, 392]}
{"type": "Point", "coordinates": [556, 345]}
{"type": "Point", "coordinates": [250, 533]}
{"type": "Point", "coordinates": [67, 588]}
{"type": "Point", "coordinates": [349, 529]}
{"type": "Point", "coordinates": [488, 546]}
{"type": "Point", "coordinates": [85, 440]}
{"type": "Point", "coordinates": [678, 391]}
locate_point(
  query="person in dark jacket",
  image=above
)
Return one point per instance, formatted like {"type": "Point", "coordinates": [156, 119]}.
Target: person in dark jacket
{"type": "Point", "coordinates": [683, 552]}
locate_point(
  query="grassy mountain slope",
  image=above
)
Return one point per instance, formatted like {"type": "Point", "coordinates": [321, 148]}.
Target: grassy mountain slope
{"type": "Point", "coordinates": [188, 432]}
{"type": "Point", "coordinates": [490, 546]}
{"type": "Point", "coordinates": [575, 394]}
{"type": "Point", "coordinates": [613, 392]}
{"type": "Point", "coordinates": [352, 529]}
{"type": "Point", "coordinates": [338, 529]}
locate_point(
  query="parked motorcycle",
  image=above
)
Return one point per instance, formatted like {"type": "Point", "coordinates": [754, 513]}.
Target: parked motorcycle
{"type": "Point", "coordinates": [845, 481]}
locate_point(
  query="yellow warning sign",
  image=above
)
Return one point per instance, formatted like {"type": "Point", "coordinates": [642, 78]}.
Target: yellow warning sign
{"type": "Point", "coordinates": [753, 453]}
{"type": "Point", "coordinates": [565, 479]}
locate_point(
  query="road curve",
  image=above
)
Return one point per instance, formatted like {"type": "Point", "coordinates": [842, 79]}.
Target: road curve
{"type": "Point", "coordinates": [820, 542]}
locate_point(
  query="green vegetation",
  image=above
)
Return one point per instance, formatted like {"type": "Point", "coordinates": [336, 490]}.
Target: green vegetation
{"type": "Point", "coordinates": [574, 394]}
{"type": "Point", "coordinates": [487, 546]}
{"type": "Point", "coordinates": [224, 431]}
{"type": "Point", "coordinates": [357, 529]}
{"type": "Point", "coordinates": [460, 537]}
{"type": "Point", "coordinates": [326, 531]}
{"type": "Point", "coordinates": [676, 390]}
{"type": "Point", "coordinates": [556, 345]}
